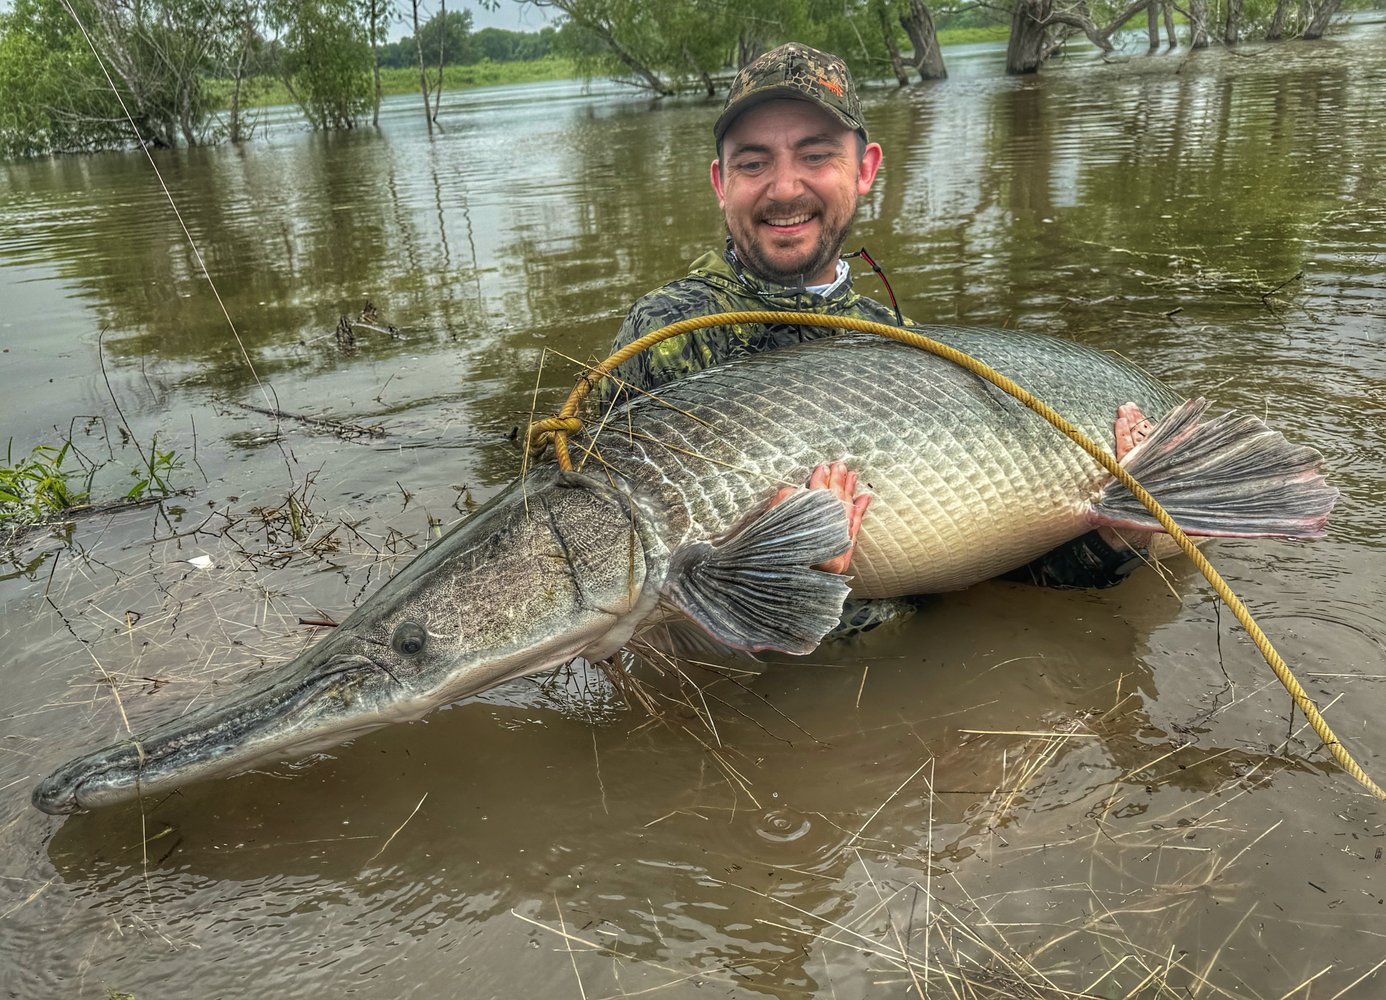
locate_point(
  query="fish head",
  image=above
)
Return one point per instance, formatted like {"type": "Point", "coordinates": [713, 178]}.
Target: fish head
{"type": "Point", "coordinates": [551, 569]}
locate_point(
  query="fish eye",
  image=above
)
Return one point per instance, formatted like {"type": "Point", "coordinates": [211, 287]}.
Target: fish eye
{"type": "Point", "coordinates": [409, 638]}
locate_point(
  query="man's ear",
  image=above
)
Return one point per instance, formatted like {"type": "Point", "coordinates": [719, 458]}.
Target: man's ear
{"type": "Point", "coordinates": [717, 182]}
{"type": "Point", "coordinates": [866, 169]}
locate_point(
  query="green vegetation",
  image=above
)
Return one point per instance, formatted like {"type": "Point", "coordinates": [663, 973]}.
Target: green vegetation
{"type": "Point", "coordinates": [267, 91]}
{"type": "Point", "coordinates": [486, 74]}
{"type": "Point", "coordinates": [184, 70]}
{"type": "Point", "coordinates": [53, 480]}
{"type": "Point", "coordinates": [325, 63]}
{"type": "Point", "coordinates": [973, 35]}
{"type": "Point", "coordinates": [156, 469]}
{"type": "Point", "coordinates": [38, 487]}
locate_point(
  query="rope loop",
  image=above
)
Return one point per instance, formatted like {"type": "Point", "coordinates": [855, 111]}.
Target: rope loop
{"type": "Point", "coordinates": [557, 429]}
{"type": "Point", "coordinates": [542, 433]}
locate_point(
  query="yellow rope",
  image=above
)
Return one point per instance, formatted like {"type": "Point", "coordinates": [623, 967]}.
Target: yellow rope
{"type": "Point", "coordinates": [557, 429]}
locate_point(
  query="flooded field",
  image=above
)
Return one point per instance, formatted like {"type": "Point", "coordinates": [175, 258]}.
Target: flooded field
{"type": "Point", "coordinates": [1016, 793]}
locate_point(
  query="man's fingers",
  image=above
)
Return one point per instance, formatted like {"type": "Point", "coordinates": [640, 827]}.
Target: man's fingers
{"type": "Point", "coordinates": [1130, 429]}
{"type": "Point", "coordinates": [854, 516]}
{"type": "Point", "coordinates": [842, 482]}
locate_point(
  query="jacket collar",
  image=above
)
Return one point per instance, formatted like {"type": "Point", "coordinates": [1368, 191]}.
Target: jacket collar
{"type": "Point", "coordinates": [729, 272]}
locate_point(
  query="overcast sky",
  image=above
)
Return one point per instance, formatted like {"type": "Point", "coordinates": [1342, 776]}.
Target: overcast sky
{"type": "Point", "coordinates": [509, 14]}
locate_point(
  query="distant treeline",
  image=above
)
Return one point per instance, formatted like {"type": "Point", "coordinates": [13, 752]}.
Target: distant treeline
{"type": "Point", "coordinates": [186, 71]}
{"type": "Point", "coordinates": [451, 35]}
{"type": "Point", "coordinates": [670, 45]}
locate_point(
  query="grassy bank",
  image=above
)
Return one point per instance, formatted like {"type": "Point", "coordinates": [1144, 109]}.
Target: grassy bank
{"type": "Point", "coordinates": [269, 91]}
{"type": "Point", "coordinates": [972, 36]}
{"type": "Point", "coordinates": [266, 91]}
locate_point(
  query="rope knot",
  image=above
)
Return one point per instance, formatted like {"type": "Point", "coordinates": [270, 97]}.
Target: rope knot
{"type": "Point", "coordinates": [542, 433]}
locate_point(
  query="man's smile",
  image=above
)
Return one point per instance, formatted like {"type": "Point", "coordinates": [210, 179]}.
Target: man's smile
{"type": "Point", "coordinates": [788, 221]}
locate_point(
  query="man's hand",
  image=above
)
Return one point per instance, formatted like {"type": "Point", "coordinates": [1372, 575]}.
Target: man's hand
{"type": "Point", "coordinates": [842, 483]}
{"type": "Point", "coordinates": [1132, 427]}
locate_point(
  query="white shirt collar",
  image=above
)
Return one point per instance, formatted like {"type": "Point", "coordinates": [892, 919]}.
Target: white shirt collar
{"type": "Point", "coordinates": [842, 271]}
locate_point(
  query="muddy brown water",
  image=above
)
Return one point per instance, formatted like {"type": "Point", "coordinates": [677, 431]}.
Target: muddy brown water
{"type": "Point", "coordinates": [1018, 792]}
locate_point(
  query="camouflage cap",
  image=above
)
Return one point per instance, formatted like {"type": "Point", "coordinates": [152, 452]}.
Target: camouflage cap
{"type": "Point", "coordinates": [794, 71]}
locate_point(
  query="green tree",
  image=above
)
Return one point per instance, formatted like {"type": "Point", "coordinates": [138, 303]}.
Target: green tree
{"type": "Point", "coordinates": [326, 59]}
{"type": "Point", "coordinates": [376, 16]}
{"type": "Point", "coordinates": [394, 55]}
{"type": "Point", "coordinates": [669, 45]}
{"type": "Point", "coordinates": [243, 60]}
{"type": "Point", "coordinates": [49, 95]}
{"type": "Point", "coordinates": [621, 38]}
{"type": "Point", "coordinates": [158, 54]}
{"type": "Point", "coordinates": [500, 45]}
{"type": "Point", "coordinates": [449, 33]}
{"type": "Point", "coordinates": [918, 22]}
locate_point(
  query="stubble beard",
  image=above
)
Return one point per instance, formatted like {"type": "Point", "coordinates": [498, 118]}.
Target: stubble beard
{"type": "Point", "coordinates": [828, 247]}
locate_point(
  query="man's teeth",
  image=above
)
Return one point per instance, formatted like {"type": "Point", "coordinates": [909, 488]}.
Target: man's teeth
{"type": "Point", "coordinates": [793, 220]}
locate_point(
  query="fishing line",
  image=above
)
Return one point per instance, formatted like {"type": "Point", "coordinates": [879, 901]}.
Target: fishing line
{"type": "Point", "coordinates": [265, 391]}
{"type": "Point", "coordinates": [555, 430]}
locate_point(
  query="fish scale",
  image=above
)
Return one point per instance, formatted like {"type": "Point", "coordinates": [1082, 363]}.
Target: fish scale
{"type": "Point", "coordinates": [956, 466]}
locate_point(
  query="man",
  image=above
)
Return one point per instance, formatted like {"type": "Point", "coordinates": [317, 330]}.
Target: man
{"type": "Point", "coordinates": [793, 157]}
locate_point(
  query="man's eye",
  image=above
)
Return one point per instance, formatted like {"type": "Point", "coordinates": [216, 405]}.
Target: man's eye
{"type": "Point", "coordinates": [750, 166]}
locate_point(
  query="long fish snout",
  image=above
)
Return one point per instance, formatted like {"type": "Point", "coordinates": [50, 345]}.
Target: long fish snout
{"type": "Point", "coordinates": [314, 700]}
{"type": "Point", "coordinates": [59, 794]}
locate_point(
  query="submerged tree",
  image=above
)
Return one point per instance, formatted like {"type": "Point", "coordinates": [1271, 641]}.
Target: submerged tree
{"type": "Point", "coordinates": [423, 73]}
{"type": "Point", "coordinates": [881, 9]}
{"type": "Point", "coordinates": [242, 62]}
{"type": "Point", "coordinates": [918, 23]}
{"type": "Point", "coordinates": [1308, 19]}
{"type": "Point", "coordinates": [1040, 27]}
{"type": "Point", "coordinates": [1318, 21]}
{"type": "Point", "coordinates": [326, 60]}
{"type": "Point", "coordinates": [629, 36]}
{"type": "Point", "coordinates": [376, 15]}
{"type": "Point", "coordinates": [71, 70]}
{"type": "Point", "coordinates": [63, 92]}
{"type": "Point", "coordinates": [1027, 46]}
{"type": "Point", "coordinates": [667, 45]}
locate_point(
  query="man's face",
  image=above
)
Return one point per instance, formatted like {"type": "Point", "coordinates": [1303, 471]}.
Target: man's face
{"type": "Point", "coordinates": [788, 183]}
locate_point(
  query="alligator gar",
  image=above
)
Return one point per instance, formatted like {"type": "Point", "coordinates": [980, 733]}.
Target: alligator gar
{"type": "Point", "coordinates": [669, 512]}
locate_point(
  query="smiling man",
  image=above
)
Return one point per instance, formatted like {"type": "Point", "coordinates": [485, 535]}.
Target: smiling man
{"type": "Point", "coordinates": [792, 159]}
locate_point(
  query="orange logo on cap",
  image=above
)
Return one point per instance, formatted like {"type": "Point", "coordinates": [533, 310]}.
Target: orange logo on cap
{"type": "Point", "coordinates": [832, 85]}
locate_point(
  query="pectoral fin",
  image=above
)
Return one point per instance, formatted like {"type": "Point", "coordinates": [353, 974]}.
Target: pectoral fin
{"type": "Point", "coordinates": [1230, 475]}
{"type": "Point", "coordinates": [754, 589]}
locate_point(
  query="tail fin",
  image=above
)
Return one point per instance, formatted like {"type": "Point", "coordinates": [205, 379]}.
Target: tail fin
{"type": "Point", "coordinates": [1229, 476]}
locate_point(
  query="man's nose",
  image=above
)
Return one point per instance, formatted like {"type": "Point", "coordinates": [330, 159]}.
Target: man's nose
{"type": "Point", "coordinates": [786, 181]}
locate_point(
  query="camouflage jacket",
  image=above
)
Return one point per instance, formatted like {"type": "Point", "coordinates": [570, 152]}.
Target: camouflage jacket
{"type": "Point", "coordinates": [718, 283]}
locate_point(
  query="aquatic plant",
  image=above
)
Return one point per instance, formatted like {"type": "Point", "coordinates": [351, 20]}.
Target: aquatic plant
{"type": "Point", "coordinates": [38, 486]}
{"type": "Point", "coordinates": [152, 477]}
{"type": "Point", "coordinates": [54, 480]}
